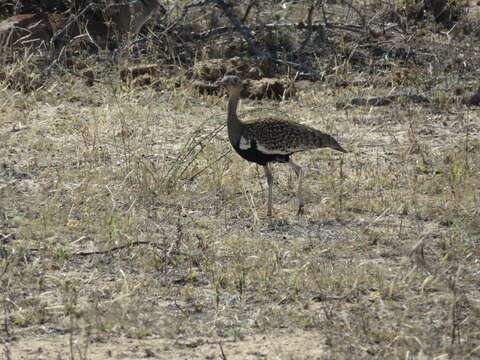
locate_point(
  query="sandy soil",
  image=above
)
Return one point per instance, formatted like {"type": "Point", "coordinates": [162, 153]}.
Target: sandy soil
{"type": "Point", "coordinates": [284, 344]}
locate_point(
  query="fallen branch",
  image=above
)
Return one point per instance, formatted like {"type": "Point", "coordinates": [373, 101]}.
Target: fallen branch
{"type": "Point", "coordinates": [247, 11]}
{"type": "Point", "coordinates": [299, 26]}
{"type": "Point", "coordinates": [227, 9]}
{"type": "Point", "coordinates": [60, 33]}
{"type": "Point", "coordinates": [248, 36]}
{"type": "Point", "coordinates": [245, 31]}
{"type": "Point", "coordinates": [238, 26]}
{"type": "Point", "coordinates": [117, 248]}
{"type": "Point", "coordinates": [309, 28]}
{"type": "Point", "coordinates": [382, 100]}
{"type": "Point", "coordinates": [74, 20]}
{"type": "Point", "coordinates": [185, 10]}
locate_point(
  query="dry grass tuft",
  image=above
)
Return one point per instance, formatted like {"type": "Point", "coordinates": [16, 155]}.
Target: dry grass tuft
{"type": "Point", "coordinates": [21, 79]}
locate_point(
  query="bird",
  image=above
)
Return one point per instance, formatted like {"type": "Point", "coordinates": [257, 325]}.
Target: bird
{"type": "Point", "coordinates": [269, 139]}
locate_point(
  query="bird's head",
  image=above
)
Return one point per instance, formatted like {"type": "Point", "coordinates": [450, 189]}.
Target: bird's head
{"type": "Point", "coordinates": [230, 83]}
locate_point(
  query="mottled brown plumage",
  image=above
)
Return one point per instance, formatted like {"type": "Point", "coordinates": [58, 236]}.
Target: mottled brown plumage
{"type": "Point", "coordinates": [269, 139]}
{"type": "Point", "coordinates": [284, 136]}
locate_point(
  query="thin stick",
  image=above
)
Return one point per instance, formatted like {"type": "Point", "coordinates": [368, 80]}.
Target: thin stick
{"type": "Point", "coordinates": [247, 11]}
{"type": "Point", "coordinates": [309, 27]}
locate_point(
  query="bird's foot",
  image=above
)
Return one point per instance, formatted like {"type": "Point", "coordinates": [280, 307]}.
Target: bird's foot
{"type": "Point", "coordinates": [300, 210]}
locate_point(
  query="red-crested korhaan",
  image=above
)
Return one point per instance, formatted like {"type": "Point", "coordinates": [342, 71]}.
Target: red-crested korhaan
{"type": "Point", "coordinates": [269, 139]}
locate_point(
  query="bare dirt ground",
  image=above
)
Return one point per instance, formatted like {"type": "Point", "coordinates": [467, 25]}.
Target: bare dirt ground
{"type": "Point", "coordinates": [283, 344]}
{"type": "Point", "coordinates": [130, 229]}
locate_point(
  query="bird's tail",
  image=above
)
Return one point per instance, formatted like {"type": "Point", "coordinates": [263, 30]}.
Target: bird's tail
{"type": "Point", "coordinates": [333, 144]}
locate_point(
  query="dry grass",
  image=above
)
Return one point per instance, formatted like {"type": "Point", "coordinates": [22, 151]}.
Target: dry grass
{"type": "Point", "coordinates": [129, 228]}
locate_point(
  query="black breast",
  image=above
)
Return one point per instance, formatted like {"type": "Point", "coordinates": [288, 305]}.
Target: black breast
{"type": "Point", "coordinates": [254, 155]}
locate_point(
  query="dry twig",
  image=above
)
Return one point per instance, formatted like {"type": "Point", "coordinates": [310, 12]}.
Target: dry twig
{"type": "Point", "coordinates": [383, 100]}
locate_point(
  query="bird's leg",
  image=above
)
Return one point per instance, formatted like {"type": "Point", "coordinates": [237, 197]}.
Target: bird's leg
{"type": "Point", "coordinates": [299, 172]}
{"type": "Point", "coordinates": [268, 173]}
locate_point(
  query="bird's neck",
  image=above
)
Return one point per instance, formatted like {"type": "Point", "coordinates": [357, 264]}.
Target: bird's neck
{"type": "Point", "coordinates": [234, 124]}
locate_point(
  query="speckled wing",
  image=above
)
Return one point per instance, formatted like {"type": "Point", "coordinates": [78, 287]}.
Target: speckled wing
{"type": "Point", "coordinates": [278, 136]}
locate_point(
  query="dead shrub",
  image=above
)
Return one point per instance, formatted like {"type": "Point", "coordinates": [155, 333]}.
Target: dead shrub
{"type": "Point", "coordinates": [133, 72]}
{"type": "Point", "coordinates": [214, 69]}
{"type": "Point", "coordinates": [269, 88]}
